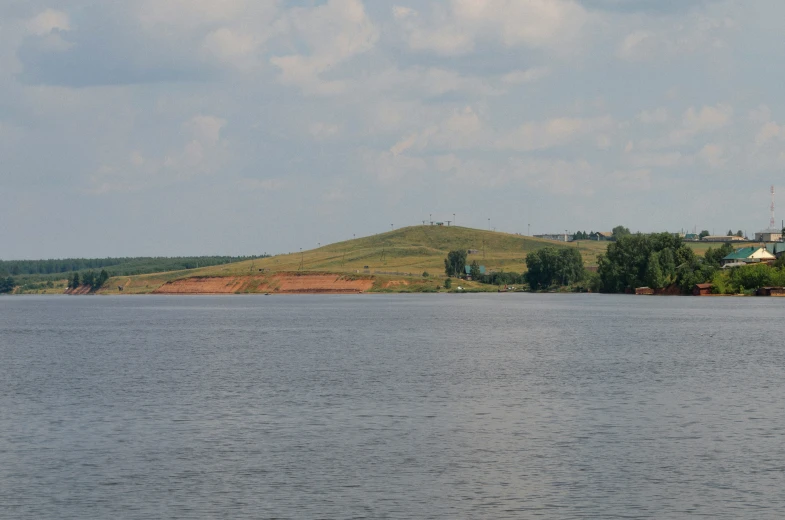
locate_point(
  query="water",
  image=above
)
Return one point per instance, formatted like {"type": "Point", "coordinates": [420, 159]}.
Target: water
{"type": "Point", "coordinates": [422, 406]}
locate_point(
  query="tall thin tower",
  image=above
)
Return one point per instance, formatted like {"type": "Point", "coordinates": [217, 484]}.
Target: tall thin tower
{"type": "Point", "coordinates": [772, 222]}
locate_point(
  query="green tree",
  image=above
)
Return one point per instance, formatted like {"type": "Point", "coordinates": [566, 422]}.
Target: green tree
{"type": "Point", "coordinates": [704, 233]}
{"type": "Point", "coordinates": [75, 282]}
{"type": "Point", "coordinates": [625, 262]}
{"type": "Point", "coordinates": [751, 277]}
{"type": "Point", "coordinates": [668, 265]}
{"type": "Point", "coordinates": [474, 270]}
{"type": "Point", "coordinates": [730, 232]}
{"type": "Point", "coordinates": [89, 278]}
{"type": "Point", "coordinates": [653, 276]}
{"type": "Point", "coordinates": [740, 233]}
{"type": "Point", "coordinates": [102, 278]}
{"type": "Point", "coordinates": [550, 265]}
{"type": "Point", "coordinates": [455, 263]}
{"type": "Point", "coordinates": [7, 285]}
{"type": "Point", "coordinates": [713, 257]}
{"type": "Point", "coordinates": [620, 231]}
{"type": "Point", "coordinates": [448, 283]}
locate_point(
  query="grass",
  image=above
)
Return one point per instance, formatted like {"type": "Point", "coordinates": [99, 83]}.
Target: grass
{"type": "Point", "coordinates": [410, 250]}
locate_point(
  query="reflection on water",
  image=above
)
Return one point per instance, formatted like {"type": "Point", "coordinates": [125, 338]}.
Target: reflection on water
{"type": "Point", "coordinates": [422, 406]}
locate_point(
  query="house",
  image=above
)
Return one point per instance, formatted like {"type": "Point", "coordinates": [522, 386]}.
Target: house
{"type": "Point", "coordinates": [693, 237]}
{"type": "Point", "coordinates": [776, 248]}
{"type": "Point", "coordinates": [769, 235]}
{"type": "Point", "coordinates": [747, 255]}
{"type": "Point", "coordinates": [771, 291]}
{"type": "Point", "coordinates": [467, 269]}
{"type": "Point", "coordinates": [601, 235]}
{"type": "Point", "coordinates": [644, 290]}
{"type": "Point", "coordinates": [702, 289]}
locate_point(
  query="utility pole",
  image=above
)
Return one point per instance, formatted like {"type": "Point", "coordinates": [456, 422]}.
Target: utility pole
{"type": "Point", "coordinates": [489, 224]}
{"type": "Point", "coordinates": [453, 219]}
{"type": "Point", "coordinates": [530, 230]}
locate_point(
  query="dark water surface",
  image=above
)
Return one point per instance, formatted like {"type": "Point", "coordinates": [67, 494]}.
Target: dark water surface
{"type": "Point", "coordinates": [423, 406]}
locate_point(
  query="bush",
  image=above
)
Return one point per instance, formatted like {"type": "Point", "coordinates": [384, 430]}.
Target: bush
{"type": "Point", "coordinates": [448, 283]}
{"type": "Point", "coordinates": [425, 274]}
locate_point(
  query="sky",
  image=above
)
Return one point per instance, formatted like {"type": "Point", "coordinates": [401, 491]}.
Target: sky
{"type": "Point", "coordinates": [239, 127]}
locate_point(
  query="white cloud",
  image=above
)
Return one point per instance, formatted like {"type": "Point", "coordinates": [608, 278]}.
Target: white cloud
{"type": "Point", "coordinates": [48, 21]}
{"type": "Point", "coordinates": [235, 47]}
{"type": "Point", "coordinates": [706, 120]}
{"type": "Point", "coordinates": [203, 153]}
{"type": "Point", "coordinates": [466, 130]}
{"type": "Point", "coordinates": [656, 116]}
{"type": "Point", "coordinates": [333, 32]}
{"type": "Point", "coordinates": [264, 185]}
{"type": "Point", "coordinates": [320, 130]}
{"type": "Point", "coordinates": [556, 132]}
{"type": "Point", "coordinates": [713, 155]}
{"type": "Point", "coordinates": [191, 14]}
{"type": "Point", "coordinates": [458, 28]}
{"type": "Point", "coordinates": [696, 34]}
{"type": "Point", "coordinates": [519, 77]}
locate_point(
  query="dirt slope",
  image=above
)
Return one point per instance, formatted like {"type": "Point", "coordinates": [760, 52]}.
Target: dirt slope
{"type": "Point", "coordinates": [277, 283]}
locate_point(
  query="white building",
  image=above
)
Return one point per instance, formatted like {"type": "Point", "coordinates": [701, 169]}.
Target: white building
{"type": "Point", "coordinates": [769, 235]}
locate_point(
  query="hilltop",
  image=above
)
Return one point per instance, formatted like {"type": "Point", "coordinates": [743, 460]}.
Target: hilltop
{"type": "Point", "coordinates": [395, 260]}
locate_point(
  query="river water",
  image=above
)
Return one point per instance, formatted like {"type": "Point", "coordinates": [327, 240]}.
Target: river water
{"type": "Point", "coordinates": [391, 406]}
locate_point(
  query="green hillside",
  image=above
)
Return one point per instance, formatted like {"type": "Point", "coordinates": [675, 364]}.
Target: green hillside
{"type": "Point", "coordinates": [407, 250]}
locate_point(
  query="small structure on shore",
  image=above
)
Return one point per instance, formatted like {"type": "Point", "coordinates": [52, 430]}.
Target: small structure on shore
{"type": "Point", "coordinates": [771, 291]}
{"type": "Point", "coordinates": [644, 291]}
{"type": "Point", "coordinates": [702, 289]}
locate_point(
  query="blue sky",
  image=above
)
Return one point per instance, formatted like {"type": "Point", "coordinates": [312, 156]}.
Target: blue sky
{"type": "Point", "coordinates": [180, 127]}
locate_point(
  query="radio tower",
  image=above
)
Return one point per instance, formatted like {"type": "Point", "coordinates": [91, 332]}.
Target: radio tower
{"type": "Point", "coordinates": [772, 223]}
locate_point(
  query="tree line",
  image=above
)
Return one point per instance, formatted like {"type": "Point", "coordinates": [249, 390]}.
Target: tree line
{"type": "Point", "coordinates": [125, 266]}
{"type": "Point", "coordinates": [89, 279]}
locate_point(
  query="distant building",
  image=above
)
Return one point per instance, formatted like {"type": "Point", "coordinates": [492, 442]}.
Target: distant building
{"type": "Point", "coordinates": [474, 251]}
{"type": "Point", "coordinates": [692, 237]}
{"type": "Point", "coordinates": [648, 291]}
{"type": "Point", "coordinates": [562, 237]}
{"type": "Point", "coordinates": [601, 235]}
{"type": "Point", "coordinates": [747, 255]}
{"type": "Point", "coordinates": [723, 238]}
{"type": "Point", "coordinates": [467, 269]}
{"type": "Point", "coordinates": [769, 235]}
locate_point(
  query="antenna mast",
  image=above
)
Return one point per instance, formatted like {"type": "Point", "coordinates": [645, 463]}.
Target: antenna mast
{"type": "Point", "coordinates": [772, 222]}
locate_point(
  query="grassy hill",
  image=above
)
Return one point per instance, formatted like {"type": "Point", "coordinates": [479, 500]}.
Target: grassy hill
{"type": "Point", "coordinates": [405, 252]}
{"type": "Point", "coordinates": [395, 260]}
